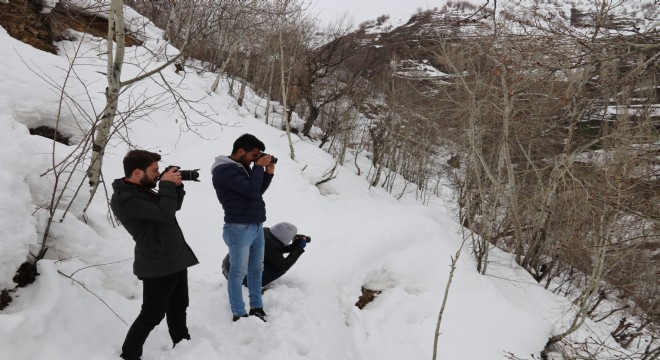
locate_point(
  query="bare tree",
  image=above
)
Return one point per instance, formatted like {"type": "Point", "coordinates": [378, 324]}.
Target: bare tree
{"type": "Point", "coordinates": [552, 190]}
{"type": "Point", "coordinates": [115, 55]}
{"type": "Point", "coordinates": [325, 75]}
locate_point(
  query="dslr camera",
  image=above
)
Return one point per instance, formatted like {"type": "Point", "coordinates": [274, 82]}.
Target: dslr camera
{"type": "Point", "coordinates": [307, 239]}
{"type": "Point", "coordinates": [186, 175]}
{"type": "Point", "coordinates": [273, 161]}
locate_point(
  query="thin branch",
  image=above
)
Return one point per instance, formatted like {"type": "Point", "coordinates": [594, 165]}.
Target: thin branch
{"type": "Point", "coordinates": [91, 292]}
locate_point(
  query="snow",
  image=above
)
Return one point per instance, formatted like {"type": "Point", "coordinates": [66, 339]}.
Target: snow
{"type": "Point", "coordinates": [376, 28]}
{"type": "Point", "coordinates": [85, 297]}
{"type": "Point", "coordinates": [16, 222]}
{"type": "Point", "coordinates": [415, 69]}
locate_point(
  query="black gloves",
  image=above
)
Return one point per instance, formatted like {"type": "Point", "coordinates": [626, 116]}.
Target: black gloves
{"type": "Point", "coordinates": [301, 243]}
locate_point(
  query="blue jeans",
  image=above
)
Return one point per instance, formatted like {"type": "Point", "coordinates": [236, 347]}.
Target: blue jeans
{"type": "Point", "coordinates": [246, 253]}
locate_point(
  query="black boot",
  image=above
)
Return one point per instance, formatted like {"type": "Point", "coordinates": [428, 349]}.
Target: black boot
{"type": "Point", "coordinates": [258, 312]}
{"type": "Point", "coordinates": [235, 318]}
{"type": "Point", "coordinates": [187, 337]}
{"type": "Point", "coordinates": [129, 358]}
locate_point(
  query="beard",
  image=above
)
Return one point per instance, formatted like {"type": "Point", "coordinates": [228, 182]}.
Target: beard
{"type": "Point", "coordinates": [146, 182]}
{"type": "Point", "coordinates": [244, 160]}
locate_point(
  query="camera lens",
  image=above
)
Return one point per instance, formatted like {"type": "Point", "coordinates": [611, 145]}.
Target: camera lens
{"type": "Point", "coordinates": [190, 175]}
{"type": "Point", "coordinates": [186, 175]}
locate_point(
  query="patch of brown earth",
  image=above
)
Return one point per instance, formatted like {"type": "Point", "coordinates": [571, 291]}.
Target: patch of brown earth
{"type": "Point", "coordinates": [5, 299]}
{"type": "Point", "coordinates": [26, 274]}
{"type": "Point", "coordinates": [366, 297]}
{"type": "Point", "coordinates": [23, 20]}
{"type": "Point", "coordinates": [50, 133]}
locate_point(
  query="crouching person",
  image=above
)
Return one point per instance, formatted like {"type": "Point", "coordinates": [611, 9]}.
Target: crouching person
{"type": "Point", "coordinates": [280, 239]}
{"type": "Point", "coordinates": [162, 255]}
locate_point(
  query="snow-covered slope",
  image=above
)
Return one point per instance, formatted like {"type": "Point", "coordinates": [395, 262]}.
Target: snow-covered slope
{"type": "Point", "coordinates": [85, 297]}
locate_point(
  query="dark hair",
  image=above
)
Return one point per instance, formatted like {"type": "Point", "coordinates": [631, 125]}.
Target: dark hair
{"type": "Point", "coordinates": [247, 142]}
{"type": "Point", "coordinates": [139, 159]}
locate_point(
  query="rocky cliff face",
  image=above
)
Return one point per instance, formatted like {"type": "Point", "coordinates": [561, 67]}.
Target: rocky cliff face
{"type": "Point", "coordinates": [409, 51]}
{"type": "Point", "coordinates": [29, 22]}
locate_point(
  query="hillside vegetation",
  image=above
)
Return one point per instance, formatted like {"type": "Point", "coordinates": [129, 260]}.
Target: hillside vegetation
{"type": "Point", "coordinates": [542, 117]}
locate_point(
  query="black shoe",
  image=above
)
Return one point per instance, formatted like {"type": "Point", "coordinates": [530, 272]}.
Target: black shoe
{"type": "Point", "coordinates": [187, 337]}
{"type": "Point", "coordinates": [235, 318]}
{"type": "Point", "coordinates": [258, 312]}
{"type": "Point", "coordinates": [128, 357]}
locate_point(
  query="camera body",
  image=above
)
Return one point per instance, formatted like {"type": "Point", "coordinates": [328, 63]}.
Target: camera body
{"type": "Point", "coordinates": [186, 175]}
{"type": "Point", "coordinates": [273, 161]}
{"type": "Point", "coordinates": [307, 239]}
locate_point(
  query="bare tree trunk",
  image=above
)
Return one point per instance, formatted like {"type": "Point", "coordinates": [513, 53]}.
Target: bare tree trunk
{"type": "Point", "coordinates": [541, 221]}
{"type": "Point", "coordinates": [270, 90]}
{"type": "Point", "coordinates": [216, 82]}
{"type": "Point", "coordinates": [284, 83]}
{"type": "Point", "coordinates": [172, 23]}
{"type": "Point", "coordinates": [115, 62]}
{"type": "Point", "coordinates": [246, 68]}
{"type": "Point", "coordinates": [102, 132]}
{"type": "Point", "coordinates": [454, 261]}
{"type": "Point", "coordinates": [600, 246]}
{"type": "Point", "coordinates": [311, 117]}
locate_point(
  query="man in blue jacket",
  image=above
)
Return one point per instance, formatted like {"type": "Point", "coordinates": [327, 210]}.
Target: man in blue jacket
{"type": "Point", "coordinates": [239, 188]}
{"type": "Point", "coordinates": [162, 255]}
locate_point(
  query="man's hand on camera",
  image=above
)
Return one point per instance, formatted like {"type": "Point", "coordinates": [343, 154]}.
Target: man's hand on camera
{"type": "Point", "coordinates": [301, 243]}
{"type": "Point", "coordinates": [270, 169]}
{"type": "Point", "coordinates": [264, 161]}
{"type": "Point", "coordinates": [172, 175]}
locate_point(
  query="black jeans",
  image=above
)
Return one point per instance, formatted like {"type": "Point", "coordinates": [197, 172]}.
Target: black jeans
{"type": "Point", "coordinates": [165, 295]}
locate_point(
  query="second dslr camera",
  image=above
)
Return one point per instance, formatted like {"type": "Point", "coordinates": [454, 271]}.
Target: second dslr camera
{"type": "Point", "coordinates": [273, 161]}
{"type": "Point", "coordinates": [186, 175]}
{"type": "Point", "coordinates": [307, 239]}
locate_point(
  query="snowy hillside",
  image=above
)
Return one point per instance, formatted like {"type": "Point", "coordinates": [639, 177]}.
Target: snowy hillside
{"type": "Point", "coordinates": [86, 296]}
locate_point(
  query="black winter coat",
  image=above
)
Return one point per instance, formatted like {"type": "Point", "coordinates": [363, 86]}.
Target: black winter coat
{"type": "Point", "coordinates": [150, 217]}
{"type": "Point", "coordinates": [275, 264]}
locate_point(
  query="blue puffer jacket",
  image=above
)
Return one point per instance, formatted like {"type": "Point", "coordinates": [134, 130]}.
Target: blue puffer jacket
{"type": "Point", "coordinates": [240, 189]}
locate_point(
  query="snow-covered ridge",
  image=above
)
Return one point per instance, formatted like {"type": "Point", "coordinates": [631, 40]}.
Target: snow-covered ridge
{"type": "Point", "coordinates": [362, 237]}
{"type": "Point", "coordinates": [465, 19]}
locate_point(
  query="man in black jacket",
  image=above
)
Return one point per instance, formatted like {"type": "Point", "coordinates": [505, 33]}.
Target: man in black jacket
{"type": "Point", "coordinates": [278, 240]}
{"type": "Point", "coordinates": [162, 255]}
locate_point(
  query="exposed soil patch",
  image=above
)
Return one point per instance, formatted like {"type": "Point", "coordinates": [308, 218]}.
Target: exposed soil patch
{"type": "Point", "coordinates": [70, 18]}
{"type": "Point", "coordinates": [455, 161]}
{"type": "Point", "coordinates": [26, 274]}
{"type": "Point", "coordinates": [24, 21]}
{"type": "Point", "coordinates": [50, 133]}
{"type": "Point", "coordinates": [5, 299]}
{"type": "Point", "coordinates": [366, 297]}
